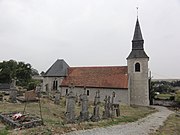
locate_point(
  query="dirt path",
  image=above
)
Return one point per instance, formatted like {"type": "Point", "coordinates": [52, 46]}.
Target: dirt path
{"type": "Point", "coordinates": [143, 126]}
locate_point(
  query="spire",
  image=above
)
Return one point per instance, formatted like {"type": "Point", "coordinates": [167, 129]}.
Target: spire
{"type": "Point", "coordinates": [137, 44]}
{"type": "Point", "coordinates": [137, 32]}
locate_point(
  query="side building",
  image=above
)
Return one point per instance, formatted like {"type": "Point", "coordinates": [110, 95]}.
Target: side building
{"type": "Point", "coordinates": [54, 76]}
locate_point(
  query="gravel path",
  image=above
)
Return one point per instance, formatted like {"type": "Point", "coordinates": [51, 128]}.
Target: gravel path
{"type": "Point", "coordinates": [143, 126]}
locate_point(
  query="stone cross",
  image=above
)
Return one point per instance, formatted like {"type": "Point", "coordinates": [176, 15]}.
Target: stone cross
{"type": "Point", "coordinates": [1, 97]}
{"type": "Point", "coordinates": [112, 105]}
{"type": "Point", "coordinates": [95, 117]}
{"type": "Point", "coordinates": [84, 114]}
{"type": "Point", "coordinates": [70, 106]}
{"type": "Point", "coordinates": [106, 111]}
{"type": "Point", "coordinates": [12, 96]}
{"type": "Point", "coordinates": [57, 98]}
{"type": "Point", "coordinates": [13, 84]}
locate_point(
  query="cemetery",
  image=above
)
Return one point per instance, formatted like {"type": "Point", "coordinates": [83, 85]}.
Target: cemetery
{"type": "Point", "coordinates": [51, 112]}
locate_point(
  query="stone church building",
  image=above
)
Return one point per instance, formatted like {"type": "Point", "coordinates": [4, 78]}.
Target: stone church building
{"type": "Point", "coordinates": [129, 83]}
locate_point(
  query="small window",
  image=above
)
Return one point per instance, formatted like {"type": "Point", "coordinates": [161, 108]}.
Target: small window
{"type": "Point", "coordinates": [137, 67]}
{"type": "Point", "coordinates": [55, 85]}
{"type": "Point", "coordinates": [66, 91]}
{"type": "Point", "coordinates": [87, 92]}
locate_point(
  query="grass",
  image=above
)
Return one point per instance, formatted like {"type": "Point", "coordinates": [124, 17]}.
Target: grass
{"type": "Point", "coordinates": [163, 96]}
{"type": "Point", "coordinates": [4, 131]}
{"type": "Point", "coordinates": [170, 127]}
{"type": "Point", "coordinates": [53, 116]}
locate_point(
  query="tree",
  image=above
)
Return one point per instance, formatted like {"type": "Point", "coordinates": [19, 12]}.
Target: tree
{"type": "Point", "coordinates": [23, 73]}
{"type": "Point", "coordinates": [20, 71]}
{"type": "Point", "coordinates": [34, 71]}
{"type": "Point", "coordinates": [7, 71]}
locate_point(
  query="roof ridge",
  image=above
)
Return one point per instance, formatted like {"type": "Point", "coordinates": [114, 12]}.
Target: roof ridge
{"type": "Point", "coordinates": [97, 66]}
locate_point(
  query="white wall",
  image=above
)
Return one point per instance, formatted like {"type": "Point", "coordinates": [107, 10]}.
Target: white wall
{"type": "Point", "coordinates": [138, 85]}
{"type": "Point", "coordinates": [49, 81]}
{"type": "Point", "coordinates": [121, 94]}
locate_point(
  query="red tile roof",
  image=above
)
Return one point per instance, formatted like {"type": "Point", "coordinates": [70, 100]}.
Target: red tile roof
{"type": "Point", "coordinates": [97, 77]}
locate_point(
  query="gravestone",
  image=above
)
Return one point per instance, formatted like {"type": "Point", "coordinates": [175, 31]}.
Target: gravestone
{"type": "Point", "coordinates": [115, 108]}
{"type": "Point", "coordinates": [70, 107]}
{"type": "Point", "coordinates": [57, 98]}
{"type": "Point", "coordinates": [95, 117]}
{"type": "Point", "coordinates": [84, 114]}
{"type": "Point", "coordinates": [77, 98]}
{"type": "Point", "coordinates": [30, 95]}
{"type": "Point", "coordinates": [1, 97]}
{"type": "Point", "coordinates": [112, 105]}
{"type": "Point", "coordinates": [38, 90]}
{"type": "Point", "coordinates": [13, 96]}
{"type": "Point", "coordinates": [107, 107]}
{"type": "Point", "coordinates": [13, 84]}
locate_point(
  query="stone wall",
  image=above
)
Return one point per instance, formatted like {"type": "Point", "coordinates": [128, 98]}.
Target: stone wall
{"type": "Point", "coordinates": [49, 82]}
{"type": "Point", "coordinates": [138, 85]}
{"type": "Point", "coordinates": [121, 94]}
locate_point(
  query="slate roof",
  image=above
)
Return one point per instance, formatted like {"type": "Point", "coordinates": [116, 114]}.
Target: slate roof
{"type": "Point", "coordinates": [137, 32]}
{"type": "Point", "coordinates": [97, 77]}
{"type": "Point", "coordinates": [58, 69]}
{"type": "Point", "coordinates": [137, 44]}
{"type": "Point", "coordinates": [137, 54]}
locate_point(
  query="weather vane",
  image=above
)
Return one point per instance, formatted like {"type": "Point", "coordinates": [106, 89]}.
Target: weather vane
{"type": "Point", "coordinates": [137, 11]}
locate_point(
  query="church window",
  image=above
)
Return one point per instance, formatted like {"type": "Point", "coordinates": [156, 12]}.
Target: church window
{"type": "Point", "coordinates": [66, 91]}
{"type": "Point", "coordinates": [137, 67]}
{"type": "Point", "coordinates": [87, 92]}
{"type": "Point", "coordinates": [55, 85]}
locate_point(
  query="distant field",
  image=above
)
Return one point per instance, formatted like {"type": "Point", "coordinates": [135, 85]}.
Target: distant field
{"type": "Point", "coordinates": [163, 96]}
{"type": "Point", "coordinates": [53, 116]}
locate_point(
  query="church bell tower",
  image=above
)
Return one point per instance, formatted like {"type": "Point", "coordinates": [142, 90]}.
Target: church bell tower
{"type": "Point", "coordinates": [137, 63]}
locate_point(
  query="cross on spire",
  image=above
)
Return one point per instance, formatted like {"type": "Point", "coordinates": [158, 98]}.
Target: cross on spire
{"type": "Point", "coordinates": [137, 11]}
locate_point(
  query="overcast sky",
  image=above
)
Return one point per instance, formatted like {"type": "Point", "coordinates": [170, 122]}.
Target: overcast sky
{"type": "Point", "coordinates": [90, 32]}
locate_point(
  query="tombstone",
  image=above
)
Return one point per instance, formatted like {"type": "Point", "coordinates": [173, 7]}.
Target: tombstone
{"type": "Point", "coordinates": [77, 98]}
{"type": "Point", "coordinates": [38, 90]}
{"type": "Point", "coordinates": [79, 101]}
{"type": "Point", "coordinates": [30, 95]}
{"type": "Point", "coordinates": [115, 109]}
{"type": "Point", "coordinates": [12, 96]}
{"type": "Point", "coordinates": [1, 97]}
{"type": "Point", "coordinates": [95, 117]}
{"type": "Point", "coordinates": [107, 107]}
{"type": "Point", "coordinates": [57, 98]}
{"type": "Point", "coordinates": [84, 114]}
{"type": "Point", "coordinates": [70, 107]}
{"type": "Point", "coordinates": [13, 84]}
{"type": "Point", "coordinates": [112, 105]}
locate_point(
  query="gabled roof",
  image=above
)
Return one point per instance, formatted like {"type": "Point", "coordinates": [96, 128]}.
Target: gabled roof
{"type": "Point", "coordinates": [58, 69]}
{"type": "Point", "coordinates": [97, 77]}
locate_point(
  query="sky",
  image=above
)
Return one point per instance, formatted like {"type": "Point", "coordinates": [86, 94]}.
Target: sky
{"type": "Point", "coordinates": [90, 32]}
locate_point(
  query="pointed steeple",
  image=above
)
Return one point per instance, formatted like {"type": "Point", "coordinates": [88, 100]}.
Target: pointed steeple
{"type": "Point", "coordinates": [137, 44]}
{"type": "Point", "coordinates": [137, 32]}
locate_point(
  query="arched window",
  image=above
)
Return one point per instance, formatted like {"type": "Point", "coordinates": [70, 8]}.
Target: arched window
{"type": "Point", "coordinates": [137, 67]}
{"type": "Point", "coordinates": [66, 91]}
{"type": "Point", "coordinates": [87, 92]}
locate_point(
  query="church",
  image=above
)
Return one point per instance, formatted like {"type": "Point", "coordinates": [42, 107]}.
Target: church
{"type": "Point", "coordinates": [130, 84]}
